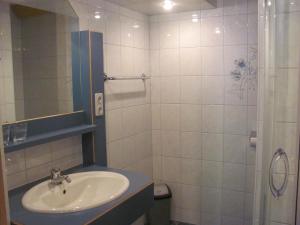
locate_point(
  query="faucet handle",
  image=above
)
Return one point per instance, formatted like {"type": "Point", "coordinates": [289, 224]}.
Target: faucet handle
{"type": "Point", "coordinates": [55, 172]}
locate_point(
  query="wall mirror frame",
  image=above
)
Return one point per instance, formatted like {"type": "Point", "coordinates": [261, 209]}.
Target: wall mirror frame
{"type": "Point", "coordinates": [88, 79]}
{"type": "Point", "coordinates": [42, 72]}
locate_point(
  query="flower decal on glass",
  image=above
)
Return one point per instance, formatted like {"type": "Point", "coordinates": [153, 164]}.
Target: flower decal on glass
{"type": "Point", "coordinates": [245, 74]}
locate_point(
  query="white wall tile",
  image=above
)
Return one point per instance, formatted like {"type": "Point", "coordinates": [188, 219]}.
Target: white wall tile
{"type": "Point", "coordinates": [191, 145]}
{"type": "Point", "coordinates": [154, 63]}
{"type": "Point", "coordinates": [170, 117]}
{"type": "Point", "coordinates": [114, 125]}
{"type": "Point", "coordinates": [208, 219]}
{"type": "Point", "coordinates": [235, 30]}
{"type": "Point", "coordinates": [171, 143]}
{"type": "Point", "coordinates": [212, 31]}
{"type": "Point", "coordinates": [156, 116]}
{"type": "Point", "coordinates": [131, 121]}
{"type": "Point", "coordinates": [127, 61]}
{"type": "Point", "coordinates": [211, 201]}
{"type": "Point", "coordinates": [15, 162]}
{"type": "Point", "coordinates": [112, 59]}
{"type": "Point", "coordinates": [213, 90]}
{"type": "Point", "coordinates": [16, 180]}
{"type": "Point", "coordinates": [154, 35]}
{"type": "Point", "coordinates": [155, 90]}
{"type": "Point", "coordinates": [156, 142]}
{"type": "Point", "coordinates": [190, 172]}
{"type": "Point", "coordinates": [252, 6]}
{"type": "Point", "coordinates": [169, 62]}
{"type": "Point", "coordinates": [252, 28]}
{"type": "Point", "coordinates": [213, 118]}
{"type": "Point", "coordinates": [212, 174]}
{"type": "Point", "coordinates": [171, 169]}
{"type": "Point", "coordinates": [189, 33]}
{"type": "Point", "coordinates": [169, 35]}
{"type": "Point", "coordinates": [38, 155]}
{"type": "Point", "coordinates": [191, 118]}
{"type": "Point", "coordinates": [235, 120]}
{"type": "Point", "coordinates": [213, 147]}
{"type": "Point", "coordinates": [191, 89]}
{"type": "Point", "coordinates": [170, 89]}
{"type": "Point", "coordinates": [232, 7]}
{"type": "Point", "coordinates": [235, 147]}
{"type": "Point", "coordinates": [212, 61]}
{"type": "Point", "coordinates": [113, 28]}
{"type": "Point", "coordinates": [190, 61]}
{"type": "Point", "coordinates": [127, 31]}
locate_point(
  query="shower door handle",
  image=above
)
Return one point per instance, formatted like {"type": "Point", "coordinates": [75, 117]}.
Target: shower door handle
{"type": "Point", "coordinates": [278, 191]}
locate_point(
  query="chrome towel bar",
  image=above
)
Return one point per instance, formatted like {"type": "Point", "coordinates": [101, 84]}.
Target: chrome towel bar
{"type": "Point", "coordinates": [141, 77]}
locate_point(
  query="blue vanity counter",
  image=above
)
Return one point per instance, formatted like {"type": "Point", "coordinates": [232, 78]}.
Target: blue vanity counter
{"type": "Point", "coordinates": [122, 211]}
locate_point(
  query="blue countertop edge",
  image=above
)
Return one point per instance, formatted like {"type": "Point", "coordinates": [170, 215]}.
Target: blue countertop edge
{"type": "Point", "coordinates": [21, 216]}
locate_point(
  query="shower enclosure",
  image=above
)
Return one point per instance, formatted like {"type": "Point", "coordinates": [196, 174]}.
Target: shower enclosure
{"type": "Point", "coordinates": [278, 113]}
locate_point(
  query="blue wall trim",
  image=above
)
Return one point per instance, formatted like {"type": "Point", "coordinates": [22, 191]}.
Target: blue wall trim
{"type": "Point", "coordinates": [86, 74]}
{"type": "Point", "coordinates": [98, 86]}
{"type": "Point", "coordinates": [42, 130]}
{"type": "Point", "coordinates": [92, 75]}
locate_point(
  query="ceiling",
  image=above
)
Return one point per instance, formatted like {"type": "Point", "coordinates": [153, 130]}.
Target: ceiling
{"type": "Point", "coordinates": [153, 7]}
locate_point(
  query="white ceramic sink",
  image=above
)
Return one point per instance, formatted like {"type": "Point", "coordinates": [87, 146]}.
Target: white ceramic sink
{"type": "Point", "coordinates": [87, 190]}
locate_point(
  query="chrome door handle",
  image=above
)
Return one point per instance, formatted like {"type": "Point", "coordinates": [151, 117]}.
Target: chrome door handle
{"type": "Point", "coordinates": [278, 155]}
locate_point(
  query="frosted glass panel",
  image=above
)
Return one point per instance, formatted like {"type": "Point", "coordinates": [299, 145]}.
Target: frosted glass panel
{"type": "Point", "coordinates": [278, 113]}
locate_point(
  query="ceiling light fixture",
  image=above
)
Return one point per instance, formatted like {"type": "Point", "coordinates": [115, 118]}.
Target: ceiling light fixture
{"type": "Point", "coordinates": [97, 15]}
{"type": "Point", "coordinates": [136, 26]}
{"type": "Point", "coordinates": [217, 30]}
{"type": "Point", "coordinates": [168, 5]}
{"type": "Point", "coordinates": [195, 18]}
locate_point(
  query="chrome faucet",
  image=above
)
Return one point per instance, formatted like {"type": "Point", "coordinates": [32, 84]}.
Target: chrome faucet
{"type": "Point", "coordinates": [56, 178]}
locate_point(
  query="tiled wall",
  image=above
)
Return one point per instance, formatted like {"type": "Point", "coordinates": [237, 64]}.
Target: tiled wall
{"type": "Point", "coordinates": [128, 110]}
{"type": "Point", "coordinates": [203, 67]}
{"type": "Point", "coordinates": [36, 162]}
{"type": "Point", "coordinates": [278, 111]}
{"type": "Point", "coordinates": [203, 106]}
{"type": "Point", "coordinates": [7, 97]}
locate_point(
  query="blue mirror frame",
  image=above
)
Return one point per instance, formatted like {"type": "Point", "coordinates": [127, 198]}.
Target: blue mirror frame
{"type": "Point", "coordinates": [88, 76]}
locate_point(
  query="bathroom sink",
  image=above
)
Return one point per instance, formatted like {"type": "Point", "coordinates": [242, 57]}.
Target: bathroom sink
{"type": "Point", "coordinates": [86, 190]}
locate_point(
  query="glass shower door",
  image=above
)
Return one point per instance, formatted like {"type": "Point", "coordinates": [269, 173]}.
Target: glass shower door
{"type": "Point", "coordinates": [278, 148]}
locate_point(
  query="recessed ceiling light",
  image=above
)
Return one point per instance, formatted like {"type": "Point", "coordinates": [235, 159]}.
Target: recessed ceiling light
{"type": "Point", "coordinates": [195, 18]}
{"type": "Point", "coordinates": [97, 15]}
{"type": "Point", "coordinates": [168, 5]}
{"type": "Point", "coordinates": [136, 26]}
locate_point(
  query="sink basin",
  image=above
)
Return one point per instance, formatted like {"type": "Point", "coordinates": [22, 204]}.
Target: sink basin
{"type": "Point", "coordinates": [87, 190]}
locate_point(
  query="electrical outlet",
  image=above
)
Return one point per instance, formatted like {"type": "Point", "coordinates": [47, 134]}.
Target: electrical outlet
{"type": "Point", "coordinates": [99, 111]}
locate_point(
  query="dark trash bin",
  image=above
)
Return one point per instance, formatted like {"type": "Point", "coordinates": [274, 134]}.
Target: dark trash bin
{"type": "Point", "coordinates": [161, 212]}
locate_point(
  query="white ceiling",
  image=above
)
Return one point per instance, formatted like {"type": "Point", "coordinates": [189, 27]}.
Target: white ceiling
{"type": "Point", "coordinates": [153, 7]}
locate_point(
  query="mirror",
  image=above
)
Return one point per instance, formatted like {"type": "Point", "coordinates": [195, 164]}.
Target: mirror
{"type": "Point", "coordinates": [38, 80]}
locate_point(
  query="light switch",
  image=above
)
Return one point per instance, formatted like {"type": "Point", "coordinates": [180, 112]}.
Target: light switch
{"type": "Point", "coordinates": [99, 111]}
